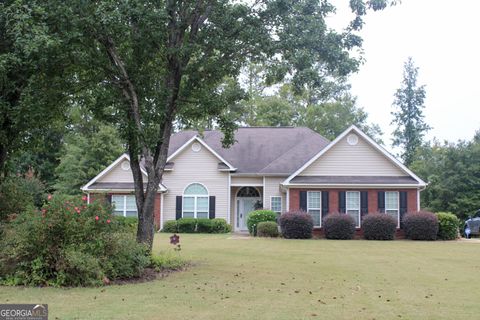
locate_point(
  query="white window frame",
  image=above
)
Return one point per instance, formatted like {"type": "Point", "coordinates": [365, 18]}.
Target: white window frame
{"type": "Point", "coordinates": [352, 209]}
{"type": "Point", "coordinates": [271, 207]}
{"type": "Point", "coordinates": [313, 208]}
{"type": "Point", "coordinates": [195, 201]}
{"type": "Point", "coordinates": [124, 196]}
{"type": "Point", "coordinates": [396, 209]}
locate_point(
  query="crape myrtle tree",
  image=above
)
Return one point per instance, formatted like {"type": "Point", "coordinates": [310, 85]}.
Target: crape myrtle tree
{"type": "Point", "coordinates": [149, 63]}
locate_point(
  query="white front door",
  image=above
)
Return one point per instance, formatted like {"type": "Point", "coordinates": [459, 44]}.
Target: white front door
{"type": "Point", "coordinates": [244, 207]}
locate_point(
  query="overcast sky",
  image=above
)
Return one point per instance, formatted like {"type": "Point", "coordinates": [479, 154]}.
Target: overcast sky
{"type": "Point", "coordinates": [443, 39]}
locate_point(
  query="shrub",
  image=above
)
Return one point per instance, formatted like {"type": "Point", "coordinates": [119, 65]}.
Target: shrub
{"type": "Point", "coordinates": [258, 216]}
{"type": "Point", "coordinates": [267, 229]}
{"type": "Point", "coordinates": [421, 225]}
{"type": "Point", "coordinates": [220, 226]}
{"type": "Point", "coordinates": [296, 225]}
{"type": "Point", "coordinates": [339, 226]}
{"type": "Point", "coordinates": [204, 226]}
{"type": "Point", "coordinates": [68, 243]}
{"type": "Point", "coordinates": [17, 194]}
{"type": "Point", "coordinates": [378, 226]}
{"type": "Point", "coordinates": [186, 225]}
{"type": "Point", "coordinates": [447, 226]}
{"type": "Point", "coordinates": [167, 261]}
{"type": "Point", "coordinates": [129, 224]}
{"type": "Point", "coordinates": [170, 226]}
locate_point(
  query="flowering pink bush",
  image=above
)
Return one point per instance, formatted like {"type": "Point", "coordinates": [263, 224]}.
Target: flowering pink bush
{"type": "Point", "coordinates": [69, 242]}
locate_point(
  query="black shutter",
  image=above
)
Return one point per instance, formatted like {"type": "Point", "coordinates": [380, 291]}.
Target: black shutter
{"type": "Point", "coordinates": [363, 203]}
{"type": "Point", "coordinates": [211, 207]}
{"type": "Point", "coordinates": [108, 197]}
{"type": "Point", "coordinates": [178, 209]}
{"type": "Point", "coordinates": [381, 201]}
{"type": "Point", "coordinates": [303, 200]}
{"type": "Point", "coordinates": [341, 202]}
{"type": "Point", "coordinates": [403, 206]}
{"type": "Point", "coordinates": [325, 203]}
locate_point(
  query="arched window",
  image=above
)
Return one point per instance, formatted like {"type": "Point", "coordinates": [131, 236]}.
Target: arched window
{"type": "Point", "coordinates": [195, 201]}
{"type": "Point", "coordinates": [248, 192]}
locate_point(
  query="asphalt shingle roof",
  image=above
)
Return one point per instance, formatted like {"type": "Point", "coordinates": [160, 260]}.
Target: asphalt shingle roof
{"type": "Point", "coordinates": [261, 150]}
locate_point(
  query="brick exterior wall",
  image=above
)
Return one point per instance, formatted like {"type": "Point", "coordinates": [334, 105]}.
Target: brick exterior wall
{"type": "Point", "coordinates": [372, 202]}
{"type": "Point", "coordinates": [157, 204]}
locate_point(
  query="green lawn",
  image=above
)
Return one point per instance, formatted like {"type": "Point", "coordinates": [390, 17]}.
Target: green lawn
{"type": "Point", "coordinates": [287, 279]}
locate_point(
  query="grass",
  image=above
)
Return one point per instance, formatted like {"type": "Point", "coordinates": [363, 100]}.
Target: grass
{"type": "Point", "coordinates": [286, 279]}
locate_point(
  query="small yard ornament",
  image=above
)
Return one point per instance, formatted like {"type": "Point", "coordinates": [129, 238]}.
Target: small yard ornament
{"type": "Point", "coordinates": [175, 240]}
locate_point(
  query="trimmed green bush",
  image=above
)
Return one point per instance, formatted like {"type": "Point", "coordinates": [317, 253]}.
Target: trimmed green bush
{"type": "Point", "coordinates": [220, 226]}
{"type": "Point", "coordinates": [379, 226]}
{"type": "Point", "coordinates": [447, 226]}
{"type": "Point", "coordinates": [267, 229]}
{"type": "Point", "coordinates": [191, 225]}
{"type": "Point", "coordinates": [187, 225]}
{"type": "Point", "coordinates": [339, 226]}
{"type": "Point", "coordinates": [69, 243]}
{"type": "Point", "coordinates": [255, 217]}
{"type": "Point", "coordinates": [296, 225]}
{"type": "Point", "coordinates": [421, 225]}
{"type": "Point", "coordinates": [170, 226]}
{"type": "Point", "coordinates": [204, 226]}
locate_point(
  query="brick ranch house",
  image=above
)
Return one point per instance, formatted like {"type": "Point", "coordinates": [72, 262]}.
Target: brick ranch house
{"type": "Point", "coordinates": [277, 168]}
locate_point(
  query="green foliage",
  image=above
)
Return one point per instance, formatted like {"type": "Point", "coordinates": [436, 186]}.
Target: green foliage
{"type": "Point", "coordinates": [255, 217]}
{"type": "Point", "coordinates": [379, 226]}
{"type": "Point", "coordinates": [448, 225]}
{"type": "Point", "coordinates": [339, 226]}
{"type": "Point", "coordinates": [422, 225]}
{"type": "Point", "coordinates": [296, 225]}
{"type": "Point", "coordinates": [267, 229]}
{"type": "Point", "coordinates": [187, 225]}
{"type": "Point", "coordinates": [128, 224]}
{"type": "Point", "coordinates": [453, 173]}
{"type": "Point", "coordinates": [408, 116]}
{"type": "Point", "coordinates": [69, 243]}
{"type": "Point", "coordinates": [170, 226]}
{"type": "Point", "coordinates": [19, 193]}
{"type": "Point", "coordinates": [84, 156]}
{"type": "Point", "coordinates": [167, 261]}
{"type": "Point", "coordinates": [191, 225]}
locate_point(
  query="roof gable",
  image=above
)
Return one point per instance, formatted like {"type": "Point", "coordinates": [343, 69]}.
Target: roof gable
{"type": "Point", "coordinates": [116, 172]}
{"type": "Point", "coordinates": [363, 158]}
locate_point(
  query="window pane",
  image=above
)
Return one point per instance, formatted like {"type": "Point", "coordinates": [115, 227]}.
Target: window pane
{"type": "Point", "coordinates": [202, 204]}
{"type": "Point", "coordinates": [355, 215]}
{"type": "Point", "coordinates": [353, 200]}
{"type": "Point", "coordinates": [117, 202]}
{"type": "Point", "coordinates": [188, 215]}
{"type": "Point", "coordinates": [313, 200]}
{"type": "Point", "coordinates": [315, 216]}
{"type": "Point", "coordinates": [202, 215]}
{"type": "Point", "coordinates": [131, 205]}
{"type": "Point", "coordinates": [188, 204]}
{"type": "Point", "coordinates": [196, 188]}
{"type": "Point", "coordinates": [391, 200]}
{"type": "Point", "coordinates": [276, 204]}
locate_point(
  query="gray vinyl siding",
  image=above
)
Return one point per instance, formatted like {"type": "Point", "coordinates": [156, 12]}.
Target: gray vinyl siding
{"type": "Point", "coordinates": [247, 181]}
{"type": "Point", "coordinates": [191, 167]}
{"type": "Point", "coordinates": [272, 188]}
{"type": "Point", "coordinates": [117, 174]}
{"type": "Point", "coordinates": [357, 160]}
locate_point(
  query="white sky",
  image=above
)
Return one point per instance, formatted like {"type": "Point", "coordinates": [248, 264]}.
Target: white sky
{"type": "Point", "coordinates": [443, 37]}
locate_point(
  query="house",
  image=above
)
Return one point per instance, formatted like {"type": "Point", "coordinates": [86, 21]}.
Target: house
{"type": "Point", "coordinates": [277, 168]}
